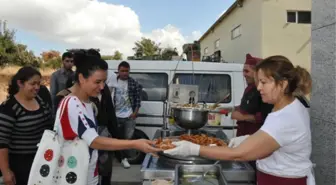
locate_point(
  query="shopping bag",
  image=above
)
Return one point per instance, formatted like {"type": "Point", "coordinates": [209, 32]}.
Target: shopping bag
{"type": "Point", "coordinates": [73, 163]}
{"type": "Point", "coordinates": [59, 161]}
{"type": "Point", "coordinates": [45, 163]}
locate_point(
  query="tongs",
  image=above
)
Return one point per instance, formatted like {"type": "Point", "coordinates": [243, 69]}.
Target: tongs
{"type": "Point", "coordinates": [216, 104]}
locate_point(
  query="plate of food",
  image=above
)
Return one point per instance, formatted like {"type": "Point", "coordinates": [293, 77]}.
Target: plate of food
{"type": "Point", "coordinates": [200, 139]}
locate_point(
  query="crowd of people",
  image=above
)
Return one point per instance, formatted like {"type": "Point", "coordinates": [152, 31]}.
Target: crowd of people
{"type": "Point", "coordinates": [109, 101]}
{"type": "Point", "coordinates": [273, 121]}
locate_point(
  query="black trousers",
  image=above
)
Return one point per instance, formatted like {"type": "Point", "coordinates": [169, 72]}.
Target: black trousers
{"type": "Point", "coordinates": [20, 164]}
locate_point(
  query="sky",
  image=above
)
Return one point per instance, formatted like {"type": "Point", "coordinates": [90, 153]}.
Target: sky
{"type": "Point", "coordinates": [110, 25]}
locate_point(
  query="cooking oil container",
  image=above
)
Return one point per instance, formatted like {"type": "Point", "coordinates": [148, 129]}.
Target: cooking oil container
{"type": "Point", "coordinates": [214, 119]}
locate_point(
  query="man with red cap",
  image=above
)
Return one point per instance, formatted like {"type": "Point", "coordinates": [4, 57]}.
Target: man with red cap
{"type": "Point", "coordinates": [252, 112]}
{"type": "Point", "coordinates": [249, 113]}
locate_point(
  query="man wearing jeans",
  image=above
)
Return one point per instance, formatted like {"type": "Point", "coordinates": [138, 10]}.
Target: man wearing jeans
{"type": "Point", "coordinates": [126, 95]}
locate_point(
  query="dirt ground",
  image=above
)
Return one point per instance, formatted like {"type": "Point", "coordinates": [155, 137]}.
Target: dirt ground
{"type": "Point", "coordinates": [6, 74]}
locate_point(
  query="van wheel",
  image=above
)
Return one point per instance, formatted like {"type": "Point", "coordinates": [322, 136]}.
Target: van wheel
{"type": "Point", "coordinates": [136, 157]}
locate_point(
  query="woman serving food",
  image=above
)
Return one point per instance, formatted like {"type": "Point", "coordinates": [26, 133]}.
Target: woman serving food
{"type": "Point", "coordinates": [282, 146]}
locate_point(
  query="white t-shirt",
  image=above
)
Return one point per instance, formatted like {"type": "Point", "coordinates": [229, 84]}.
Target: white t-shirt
{"type": "Point", "coordinates": [290, 127]}
{"type": "Point", "coordinates": [78, 120]}
{"type": "Point", "coordinates": [111, 79]}
{"type": "Point", "coordinates": [111, 83]}
{"type": "Point", "coordinates": [122, 101]}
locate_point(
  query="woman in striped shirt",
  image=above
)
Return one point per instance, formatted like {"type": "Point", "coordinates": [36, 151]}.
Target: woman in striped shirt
{"type": "Point", "coordinates": [23, 118]}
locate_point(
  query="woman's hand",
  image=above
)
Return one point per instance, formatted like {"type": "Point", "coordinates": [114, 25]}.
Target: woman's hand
{"type": "Point", "coordinates": [184, 148]}
{"type": "Point", "coordinates": [146, 146]}
{"type": "Point", "coordinates": [8, 177]}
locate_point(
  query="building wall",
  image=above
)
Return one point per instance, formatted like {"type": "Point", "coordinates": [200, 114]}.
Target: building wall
{"type": "Point", "coordinates": [234, 50]}
{"type": "Point", "coordinates": [292, 40]}
{"type": "Point", "coordinates": [323, 99]}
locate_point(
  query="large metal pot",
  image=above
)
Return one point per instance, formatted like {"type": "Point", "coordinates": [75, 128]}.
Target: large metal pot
{"type": "Point", "coordinates": [190, 118]}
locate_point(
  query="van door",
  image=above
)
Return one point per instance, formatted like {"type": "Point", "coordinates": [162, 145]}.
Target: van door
{"type": "Point", "coordinates": [213, 86]}
{"type": "Point", "coordinates": [154, 94]}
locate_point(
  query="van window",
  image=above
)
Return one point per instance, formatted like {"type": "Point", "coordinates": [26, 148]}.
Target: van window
{"type": "Point", "coordinates": [155, 85]}
{"type": "Point", "coordinates": [212, 87]}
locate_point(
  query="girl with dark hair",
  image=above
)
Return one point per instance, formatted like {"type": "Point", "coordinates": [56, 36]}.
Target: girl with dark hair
{"type": "Point", "coordinates": [23, 118]}
{"type": "Point", "coordinates": [106, 119]}
{"type": "Point", "coordinates": [282, 146]}
{"type": "Point", "coordinates": [78, 119]}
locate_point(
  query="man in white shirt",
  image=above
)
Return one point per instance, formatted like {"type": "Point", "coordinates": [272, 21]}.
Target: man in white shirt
{"type": "Point", "coordinates": [126, 93]}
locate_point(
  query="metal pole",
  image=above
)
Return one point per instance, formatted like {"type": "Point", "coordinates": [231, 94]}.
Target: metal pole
{"type": "Point", "coordinates": [165, 123]}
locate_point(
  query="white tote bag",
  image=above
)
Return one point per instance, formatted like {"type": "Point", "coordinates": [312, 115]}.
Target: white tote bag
{"type": "Point", "coordinates": [59, 161]}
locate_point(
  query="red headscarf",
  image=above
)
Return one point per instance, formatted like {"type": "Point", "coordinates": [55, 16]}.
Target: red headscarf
{"type": "Point", "coordinates": [250, 60]}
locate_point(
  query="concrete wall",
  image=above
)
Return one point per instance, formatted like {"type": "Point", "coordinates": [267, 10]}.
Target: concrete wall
{"type": "Point", "coordinates": [234, 50]}
{"type": "Point", "coordinates": [323, 100]}
{"type": "Point", "coordinates": [292, 40]}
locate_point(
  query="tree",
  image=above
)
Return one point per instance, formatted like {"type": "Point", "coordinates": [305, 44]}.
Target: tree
{"type": "Point", "coordinates": [54, 63]}
{"type": "Point", "coordinates": [168, 53]}
{"type": "Point", "coordinates": [52, 59]}
{"type": "Point", "coordinates": [48, 55]}
{"type": "Point", "coordinates": [81, 50]}
{"type": "Point", "coordinates": [107, 57]}
{"type": "Point", "coordinates": [146, 47]}
{"type": "Point", "coordinates": [117, 55]}
{"type": "Point", "coordinates": [12, 52]}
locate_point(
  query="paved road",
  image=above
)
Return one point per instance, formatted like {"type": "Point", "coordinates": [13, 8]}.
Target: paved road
{"type": "Point", "coordinates": [122, 176]}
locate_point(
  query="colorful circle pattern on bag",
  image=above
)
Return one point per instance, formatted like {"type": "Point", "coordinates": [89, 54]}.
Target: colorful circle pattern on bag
{"type": "Point", "coordinates": [71, 177]}
{"type": "Point", "coordinates": [44, 170]}
{"type": "Point", "coordinates": [72, 162]}
{"type": "Point", "coordinates": [48, 155]}
{"type": "Point", "coordinates": [61, 161]}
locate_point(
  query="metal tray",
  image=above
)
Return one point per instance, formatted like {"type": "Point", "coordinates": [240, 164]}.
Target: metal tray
{"type": "Point", "coordinates": [214, 176]}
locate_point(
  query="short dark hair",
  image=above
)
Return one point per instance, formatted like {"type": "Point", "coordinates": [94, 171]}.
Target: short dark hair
{"type": "Point", "coordinates": [124, 64]}
{"type": "Point", "coordinates": [87, 64]}
{"type": "Point", "coordinates": [67, 55]}
{"type": "Point", "coordinates": [93, 52]}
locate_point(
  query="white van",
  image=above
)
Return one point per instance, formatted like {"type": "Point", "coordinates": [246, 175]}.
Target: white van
{"type": "Point", "coordinates": [215, 80]}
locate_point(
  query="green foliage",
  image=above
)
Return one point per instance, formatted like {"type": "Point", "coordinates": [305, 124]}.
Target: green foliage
{"type": "Point", "coordinates": [168, 53]}
{"type": "Point", "coordinates": [146, 47]}
{"type": "Point", "coordinates": [54, 63]}
{"type": "Point", "coordinates": [12, 52]}
{"type": "Point", "coordinates": [107, 57]}
{"type": "Point", "coordinates": [117, 56]}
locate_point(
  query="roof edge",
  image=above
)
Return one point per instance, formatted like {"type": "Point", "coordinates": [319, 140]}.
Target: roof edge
{"type": "Point", "coordinates": [219, 20]}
